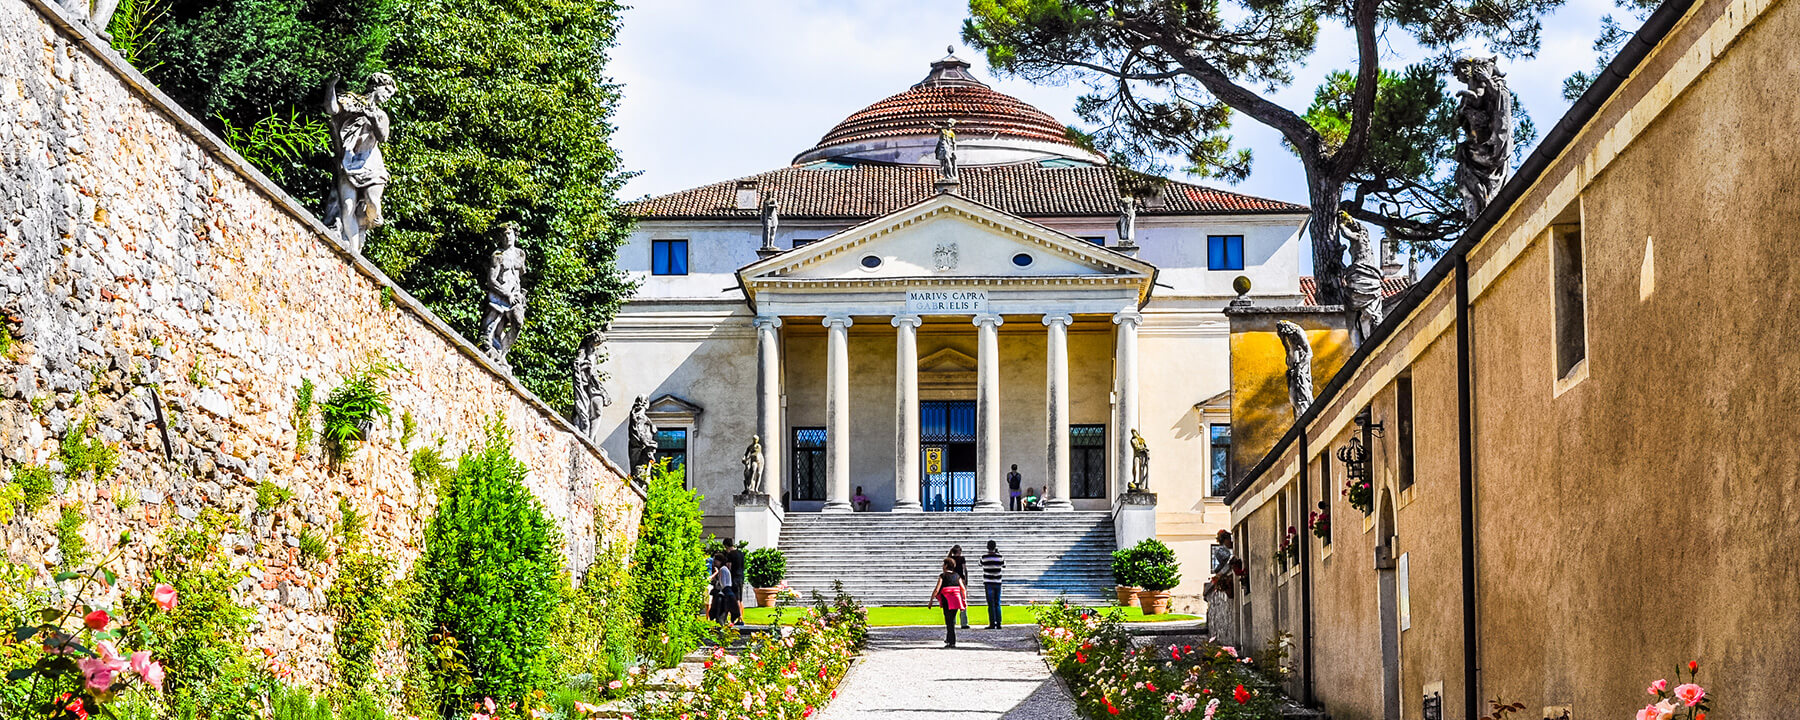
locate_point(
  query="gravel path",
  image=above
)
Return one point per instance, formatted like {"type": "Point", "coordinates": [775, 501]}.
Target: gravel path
{"type": "Point", "coordinates": [906, 674]}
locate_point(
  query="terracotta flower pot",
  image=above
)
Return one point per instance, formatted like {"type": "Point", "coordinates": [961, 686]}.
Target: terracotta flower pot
{"type": "Point", "coordinates": [765, 597]}
{"type": "Point", "coordinates": [1127, 595]}
{"type": "Point", "coordinates": [1154, 602]}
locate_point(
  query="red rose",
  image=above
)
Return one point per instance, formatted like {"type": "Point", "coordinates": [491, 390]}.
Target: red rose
{"type": "Point", "coordinates": [1241, 695]}
{"type": "Point", "coordinates": [97, 620]}
{"type": "Point", "coordinates": [1693, 666]}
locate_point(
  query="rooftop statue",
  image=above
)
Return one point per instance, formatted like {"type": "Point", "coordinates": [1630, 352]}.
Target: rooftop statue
{"type": "Point", "coordinates": [358, 128]}
{"type": "Point", "coordinates": [753, 465]}
{"type": "Point", "coordinates": [505, 315]}
{"type": "Point", "coordinates": [1486, 117]}
{"type": "Point", "coordinates": [589, 383]}
{"type": "Point", "coordinates": [1299, 365]}
{"type": "Point", "coordinates": [640, 440]}
{"type": "Point", "coordinates": [1127, 220]}
{"type": "Point", "coordinates": [1363, 278]}
{"type": "Point", "coordinates": [771, 221]}
{"type": "Point", "coordinates": [946, 149]}
{"type": "Point", "coordinates": [99, 18]}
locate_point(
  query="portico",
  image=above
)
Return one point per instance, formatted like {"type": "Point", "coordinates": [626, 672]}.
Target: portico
{"type": "Point", "coordinates": [930, 281]}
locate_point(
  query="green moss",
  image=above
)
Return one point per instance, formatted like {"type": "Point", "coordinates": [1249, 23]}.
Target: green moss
{"type": "Point", "coordinates": [270, 496]}
{"type": "Point", "coordinates": [11, 497]}
{"type": "Point", "coordinates": [407, 427]}
{"type": "Point", "coordinates": [82, 451]}
{"type": "Point", "coordinates": [351, 527]}
{"type": "Point", "coordinates": [387, 297]}
{"type": "Point", "coordinates": [124, 498]}
{"type": "Point", "coordinates": [313, 546]}
{"type": "Point", "coordinates": [35, 485]}
{"type": "Point", "coordinates": [68, 536]}
{"type": "Point", "coordinates": [303, 410]}
{"type": "Point", "coordinates": [7, 342]}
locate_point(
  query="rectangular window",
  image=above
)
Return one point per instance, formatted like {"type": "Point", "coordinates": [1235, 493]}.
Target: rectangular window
{"type": "Point", "coordinates": [672, 445]}
{"type": "Point", "coordinates": [803, 242]}
{"type": "Point", "coordinates": [1403, 401]}
{"type": "Point", "coordinates": [1323, 505]}
{"type": "Point", "coordinates": [1224, 252]}
{"type": "Point", "coordinates": [1221, 460]}
{"type": "Point", "coordinates": [1571, 298]}
{"type": "Point", "coordinates": [1087, 462]}
{"type": "Point", "coordinates": [668, 257]}
{"type": "Point", "coordinates": [809, 463]}
{"type": "Point", "coordinates": [1097, 240]}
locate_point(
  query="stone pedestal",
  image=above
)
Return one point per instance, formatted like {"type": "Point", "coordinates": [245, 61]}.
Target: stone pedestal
{"type": "Point", "coordinates": [758, 522]}
{"type": "Point", "coordinates": [1134, 518]}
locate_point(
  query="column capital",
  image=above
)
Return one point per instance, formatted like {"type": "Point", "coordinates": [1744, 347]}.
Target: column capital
{"type": "Point", "coordinates": [912, 320]}
{"type": "Point", "coordinates": [1128, 316]}
{"type": "Point", "coordinates": [842, 320]}
{"type": "Point", "coordinates": [1058, 319]}
{"type": "Point", "coordinates": [766, 321]}
{"type": "Point", "coordinates": [985, 318]}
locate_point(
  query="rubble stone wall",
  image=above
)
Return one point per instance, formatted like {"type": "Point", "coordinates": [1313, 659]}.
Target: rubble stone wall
{"type": "Point", "coordinates": [142, 263]}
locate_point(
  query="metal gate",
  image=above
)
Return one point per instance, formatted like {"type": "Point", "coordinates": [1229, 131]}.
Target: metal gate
{"type": "Point", "coordinates": [947, 444]}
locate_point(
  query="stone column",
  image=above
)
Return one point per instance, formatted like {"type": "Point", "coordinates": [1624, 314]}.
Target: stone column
{"type": "Point", "coordinates": [988, 490]}
{"type": "Point", "coordinates": [906, 414]}
{"type": "Point", "coordinates": [837, 416]}
{"type": "Point", "coordinates": [1056, 386]}
{"type": "Point", "coordinates": [768, 401]}
{"type": "Point", "coordinates": [1125, 369]}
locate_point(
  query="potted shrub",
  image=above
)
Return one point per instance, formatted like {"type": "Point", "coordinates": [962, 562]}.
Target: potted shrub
{"type": "Point", "coordinates": [1154, 568]}
{"type": "Point", "coordinates": [764, 569]}
{"type": "Point", "coordinates": [1124, 569]}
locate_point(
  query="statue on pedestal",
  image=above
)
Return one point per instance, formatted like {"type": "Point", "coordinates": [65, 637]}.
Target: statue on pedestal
{"type": "Point", "coordinates": [1363, 278]}
{"type": "Point", "coordinates": [505, 315]}
{"type": "Point", "coordinates": [771, 221]}
{"type": "Point", "coordinates": [589, 383]}
{"type": "Point", "coordinates": [1140, 463]}
{"type": "Point", "coordinates": [358, 128]}
{"type": "Point", "coordinates": [753, 465]}
{"type": "Point", "coordinates": [1486, 118]}
{"type": "Point", "coordinates": [946, 150]}
{"type": "Point", "coordinates": [1127, 220]}
{"type": "Point", "coordinates": [640, 440]}
{"type": "Point", "coordinates": [1299, 365]}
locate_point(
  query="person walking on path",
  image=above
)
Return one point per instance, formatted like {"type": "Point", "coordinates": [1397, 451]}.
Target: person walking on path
{"type": "Point", "coordinates": [953, 592]}
{"type": "Point", "coordinates": [962, 569]}
{"type": "Point", "coordinates": [1013, 480]}
{"type": "Point", "coordinates": [991, 565]}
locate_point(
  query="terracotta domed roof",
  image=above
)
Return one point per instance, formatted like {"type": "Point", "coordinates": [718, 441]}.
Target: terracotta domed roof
{"type": "Point", "coordinates": [948, 92]}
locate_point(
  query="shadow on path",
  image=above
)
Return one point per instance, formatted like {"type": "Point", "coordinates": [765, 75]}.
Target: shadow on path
{"type": "Point", "coordinates": [907, 673]}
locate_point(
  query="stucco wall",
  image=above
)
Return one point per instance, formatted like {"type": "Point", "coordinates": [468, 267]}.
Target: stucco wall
{"type": "Point", "coordinates": [1261, 411]}
{"type": "Point", "coordinates": [1634, 518]}
{"type": "Point", "coordinates": [142, 260]}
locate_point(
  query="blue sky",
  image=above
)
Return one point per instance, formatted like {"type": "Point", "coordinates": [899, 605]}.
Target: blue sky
{"type": "Point", "coordinates": [717, 89]}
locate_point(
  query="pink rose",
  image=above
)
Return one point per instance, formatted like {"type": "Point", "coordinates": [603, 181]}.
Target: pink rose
{"type": "Point", "coordinates": [98, 673]}
{"type": "Point", "coordinates": [1690, 693]}
{"type": "Point", "coordinates": [1657, 688]}
{"type": "Point", "coordinates": [140, 662]}
{"type": "Point", "coordinates": [164, 596]}
{"type": "Point", "coordinates": [487, 704]}
{"type": "Point", "coordinates": [1660, 711]}
{"type": "Point", "coordinates": [153, 675]}
{"type": "Point", "coordinates": [109, 654]}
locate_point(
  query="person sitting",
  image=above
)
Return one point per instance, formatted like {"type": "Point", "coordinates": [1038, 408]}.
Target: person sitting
{"type": "Point", "coordinates": [937, 503]}
{"type": "Point", "coordinates": [859, 501]}
{"type": "Point", "coordinates": [1033, 501]}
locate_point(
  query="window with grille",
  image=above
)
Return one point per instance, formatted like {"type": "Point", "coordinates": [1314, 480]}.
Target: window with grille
{"type": "Point", "coordinates": [808, 482]}
{"type": "Point", "coordinates": [1087, 462]}
{"type": "Point", "coordinates": [1220, 482]}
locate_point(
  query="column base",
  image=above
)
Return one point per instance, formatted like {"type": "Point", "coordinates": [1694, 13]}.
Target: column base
{"type": "Point", "coordinates": [907, 506]}
{"type": "Point", "coordinates": [989, 506]}
{"type": "Point", "coordinates": [1058, 505]}
{"type": "Point", "coordinates": [837, 506]}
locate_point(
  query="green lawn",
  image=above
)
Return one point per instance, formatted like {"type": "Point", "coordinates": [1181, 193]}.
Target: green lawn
{"type": "Point", "coordinates": [978, 616]}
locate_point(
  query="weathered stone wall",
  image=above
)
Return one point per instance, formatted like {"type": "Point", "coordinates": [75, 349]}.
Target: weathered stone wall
{"type": "Point", "coordinates": [141, 259]}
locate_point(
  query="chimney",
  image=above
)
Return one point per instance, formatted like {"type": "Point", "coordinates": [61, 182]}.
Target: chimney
{"type": "Point", "coordinates": [748, 196]}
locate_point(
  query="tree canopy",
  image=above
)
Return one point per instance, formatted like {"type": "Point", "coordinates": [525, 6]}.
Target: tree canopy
{"type": "Point", "coordinates": [1168, 75]}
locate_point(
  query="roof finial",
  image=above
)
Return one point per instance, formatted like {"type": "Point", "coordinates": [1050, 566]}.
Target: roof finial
{"type": "Point", "coordinates": [949, 49]}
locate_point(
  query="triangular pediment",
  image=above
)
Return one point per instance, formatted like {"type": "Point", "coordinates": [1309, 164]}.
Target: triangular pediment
{"type": "Point", "coordinates": [672, 407]}
{"type": "Point", "coordinates": [947, 360]}
{"type": "Point", "coordinates": [946, 237]}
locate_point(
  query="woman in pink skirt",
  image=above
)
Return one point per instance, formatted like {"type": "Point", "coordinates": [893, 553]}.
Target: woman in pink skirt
{"type": "Point", "coordinates": [954, 594]}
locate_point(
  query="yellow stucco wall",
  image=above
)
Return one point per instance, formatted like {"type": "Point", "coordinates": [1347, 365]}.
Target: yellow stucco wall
{"type": "Point", "coordinates": [1260, 411]}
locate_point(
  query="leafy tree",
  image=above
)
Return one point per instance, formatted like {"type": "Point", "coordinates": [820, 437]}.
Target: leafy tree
{"type": "Point", "coordinates": [504, 115]}
{"type": "Point", "coordinates": [669, 567]}
{"type": "Point", "coordinates": [1612, 36]}
{"type": "Point", "coordinates": [489, 571]}
{"type": "Point", "coordinates": [1168, 74]}
{"type": "Point", "coordinates": [256, 69]}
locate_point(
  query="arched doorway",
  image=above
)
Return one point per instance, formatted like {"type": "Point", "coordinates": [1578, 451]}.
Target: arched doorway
{"type": "Point", "coordinates": [1387, 540]}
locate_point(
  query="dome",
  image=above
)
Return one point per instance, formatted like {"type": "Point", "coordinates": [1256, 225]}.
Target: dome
{"type": "Point", "coordinates": [991, 128]}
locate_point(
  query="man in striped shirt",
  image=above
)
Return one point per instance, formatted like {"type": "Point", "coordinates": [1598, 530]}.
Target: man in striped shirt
{"type": "Point", "coordinates": [991, 565]}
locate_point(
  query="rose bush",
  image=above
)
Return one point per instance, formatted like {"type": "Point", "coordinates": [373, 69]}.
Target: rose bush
{"type": "Point", "coordinates": [787, 675]}
{"type": "Point", "coordinates": [1110, 678]}
{"type": "Point", "coordinates": [1686, 700]}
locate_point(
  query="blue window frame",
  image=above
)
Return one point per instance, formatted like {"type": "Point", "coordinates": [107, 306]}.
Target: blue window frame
{"type": "Point", "coordinates": [1097, 240]}
{"type": "Point", "coordinates": [1224, 252]}
{"type": "Point", "coordinates": [668, 257]}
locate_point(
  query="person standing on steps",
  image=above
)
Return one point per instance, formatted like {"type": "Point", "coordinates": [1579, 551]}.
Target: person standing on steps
{"type": "Point", "coordinates": [953, 593]}
{"type": "Point", "coordinates": [1013, 479]}
{"type": "Point", "coordinates": [961, 567]}
{"type": "Point", "coordinates": [991, 565]}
